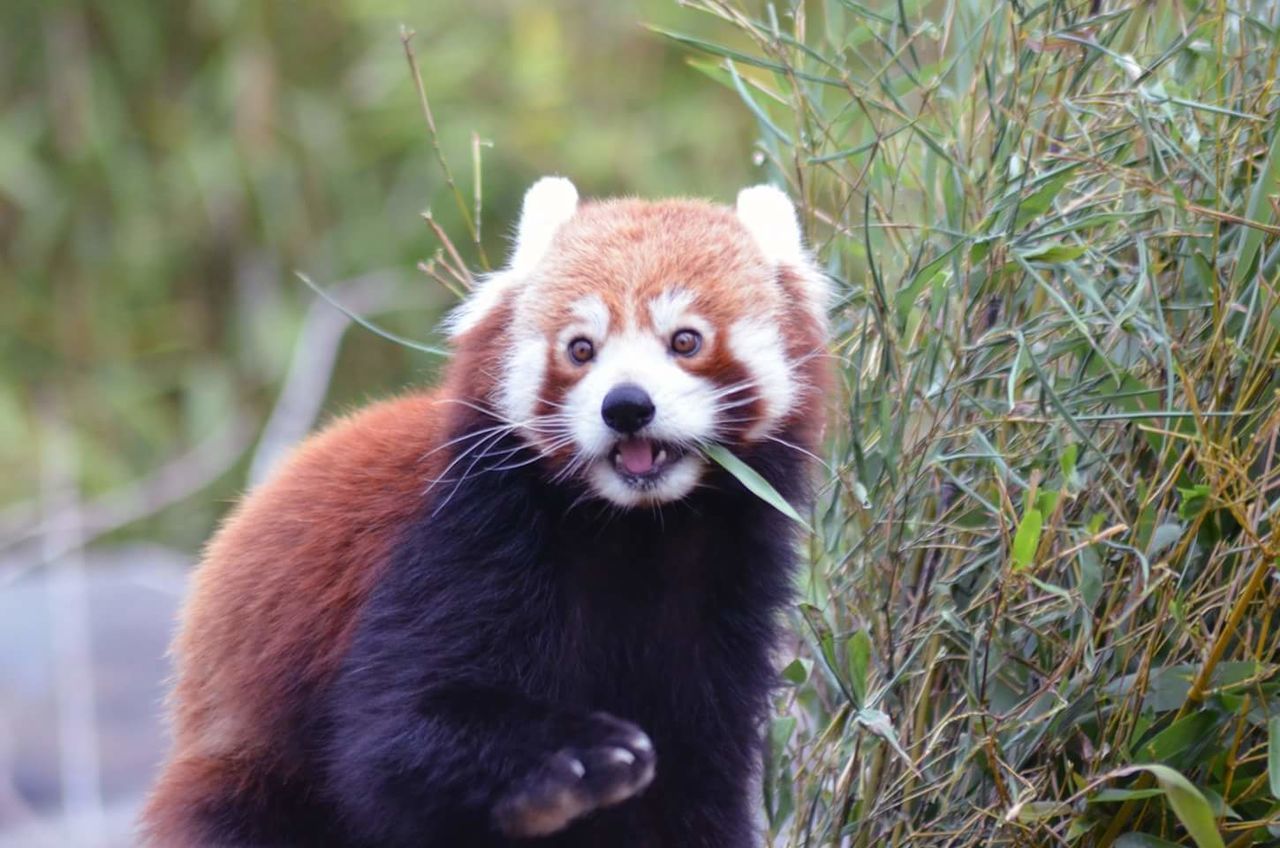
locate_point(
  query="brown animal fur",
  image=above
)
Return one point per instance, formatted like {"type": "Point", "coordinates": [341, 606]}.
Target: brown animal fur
{"type": "Point", "coordinates": [274, 603]}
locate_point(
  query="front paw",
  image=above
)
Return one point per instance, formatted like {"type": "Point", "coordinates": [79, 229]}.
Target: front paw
{"type": "Point", "coordinates": [611, 762]}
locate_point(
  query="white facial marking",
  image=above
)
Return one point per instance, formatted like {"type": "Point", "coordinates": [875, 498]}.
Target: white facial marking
{"type": "Point", "coordinates": [684, 413]}
{"type": "Point", "coordinates": [676, 482]}
{"type": "Point", "coordinates": [680, 413]}
{"type": "Point", "coordinates": [757, 344]}
{"type": "Point", "coordinates": [670, 311]}
{"type": "Point", "coordinates": [635, 348]}
{"type": "Point", "coordinates": [667, 310]}
{"type": "Point", "coordinates": [526, 367]}
{"type": "Point", "coordinates": [590, 320]}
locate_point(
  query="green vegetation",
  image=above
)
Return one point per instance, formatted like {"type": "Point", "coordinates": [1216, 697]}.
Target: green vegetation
{"type": "Point", "coordinates": [166, 167]}
{"type": "Point", "coordinates": [1042, 601]}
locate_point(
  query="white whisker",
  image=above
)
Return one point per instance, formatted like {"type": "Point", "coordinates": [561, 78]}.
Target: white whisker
{"type": "Point", "coordinates": [489, 440]}
{"type": "Point", "coordinates": [807, 453]}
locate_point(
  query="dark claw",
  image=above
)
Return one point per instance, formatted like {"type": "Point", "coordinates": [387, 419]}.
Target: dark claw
{"type": "Point", "coordinates": [613, 761]}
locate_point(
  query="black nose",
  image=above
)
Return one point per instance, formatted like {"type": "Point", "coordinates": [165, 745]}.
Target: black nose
{"type": "Point", "coordinates": [627, 408]}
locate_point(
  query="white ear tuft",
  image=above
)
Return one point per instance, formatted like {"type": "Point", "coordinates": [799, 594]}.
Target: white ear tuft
{"type": "Point", "coordinates": [768, 215]}
{"type": "Point", "coordinates": [547, 205]}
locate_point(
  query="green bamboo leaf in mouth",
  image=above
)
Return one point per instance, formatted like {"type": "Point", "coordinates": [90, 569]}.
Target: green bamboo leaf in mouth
{"type": "Point", "coordinates": [757, 485]}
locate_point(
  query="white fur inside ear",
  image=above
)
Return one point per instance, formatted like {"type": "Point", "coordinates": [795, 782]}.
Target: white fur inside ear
{"type": "Point", "coordinates": [547, 205]}
{"type": "Point", "coordinates": [768, 215]}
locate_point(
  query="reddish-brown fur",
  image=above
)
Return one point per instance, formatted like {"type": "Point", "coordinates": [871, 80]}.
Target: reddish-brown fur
{"type": "Point", "coordinates": [272, 607]}
{"type": "Point", "coordinates": [274, 603]}
{"type": "Point", "coordinates": [606, 250]}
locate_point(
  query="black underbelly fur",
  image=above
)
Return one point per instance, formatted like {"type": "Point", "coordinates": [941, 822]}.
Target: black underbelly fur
{"type": "Point", "coordinates": [507, 620]}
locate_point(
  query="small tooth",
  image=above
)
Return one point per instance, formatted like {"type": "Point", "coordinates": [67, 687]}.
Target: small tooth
{"type": "Point", "coordinates": [662, 455]}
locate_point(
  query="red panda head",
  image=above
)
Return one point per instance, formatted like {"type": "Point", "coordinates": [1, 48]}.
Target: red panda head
{"type": "Point", "coordinates": [625, 334]}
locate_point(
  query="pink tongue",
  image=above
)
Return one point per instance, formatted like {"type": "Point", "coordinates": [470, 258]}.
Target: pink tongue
{"type": "Point", "coordinates": [637, 455]}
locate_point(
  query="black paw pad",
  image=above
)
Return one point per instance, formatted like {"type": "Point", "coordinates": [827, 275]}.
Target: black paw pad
{"type": "Point", "coordinates": [615, 765]}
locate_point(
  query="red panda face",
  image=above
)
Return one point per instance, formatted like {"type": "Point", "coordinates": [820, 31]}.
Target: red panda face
{"type": "Point", "coordinates": [638, 332]}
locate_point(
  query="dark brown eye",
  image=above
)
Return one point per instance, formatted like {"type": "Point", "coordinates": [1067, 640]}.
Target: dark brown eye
{"type": "Point", "coordinates": [581, 350]}
{"type": "Point", "coordinates": [686, 342]}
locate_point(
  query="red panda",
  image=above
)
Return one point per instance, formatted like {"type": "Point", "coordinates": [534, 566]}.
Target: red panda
{"type": "Point", "coordinates": [523, 605]}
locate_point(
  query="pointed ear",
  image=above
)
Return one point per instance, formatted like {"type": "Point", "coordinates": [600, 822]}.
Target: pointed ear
{"type": "Point", "coordinates": [768, 215]}
{"type": "Point", "coordinates": [547, 205]}
{"type": "Point", "coordinates": [770, 218]}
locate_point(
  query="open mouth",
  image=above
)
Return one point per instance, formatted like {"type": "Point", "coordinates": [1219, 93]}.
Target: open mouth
{"type": "Point", "coordinates": [640, 460]}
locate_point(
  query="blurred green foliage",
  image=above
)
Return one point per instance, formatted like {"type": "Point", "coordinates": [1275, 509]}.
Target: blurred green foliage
{"type": "Point", "coordinates": [1041, 605]}
{"type": "Point", "coordinates": [1040, 597]}
{"type": "Point", "coordinates": [164, 167]}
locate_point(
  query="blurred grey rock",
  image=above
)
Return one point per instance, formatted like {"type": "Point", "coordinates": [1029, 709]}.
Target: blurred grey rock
{"type": "Point", "coordinates": [132, 595]}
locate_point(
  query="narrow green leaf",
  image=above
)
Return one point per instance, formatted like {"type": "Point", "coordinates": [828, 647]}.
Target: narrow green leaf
{"type": "Point", "coordinates": [368, 325]}
{"type": "Point", "coordinates": [1090, 576]}
{"type": "Point", "coordinates": [1217, 110]}
{"type": "Point", "coordinates": [1067, 461]}
{"type": "Point", "coordinates": [761, 116]}
{"type": "Point", "coordinates": [1118, 795]}
{"type": "Point", "coordinates": [738, 56]}
{"type": "Point", "coordinates": [778, 796]}
{"type": "Point", "coordinates": [906, 295]}
{"type": "Point", "coordinates": [1178, 737]}
{"type": "Point", "coordinates": [1143, 840]}
{"type": "Point", "coordinates": [1039, 811]}
{"type": "Point", "coordinates": [1054, 253]}
{"type": "Point", "coordinates": [881, 725]}
{"type": "Point", "coordinates": [1079, 827]}
{"type": "Point", "coordinates": [859, 648]}
{"type": "Point", "coordinates": [780, 732]}
{"type": "Point", "coordinates": [757, 485]}
{"type": "Point", "coordinates": [1188, 804]}
{"type": "Point", "coordinates": [1011, 384]}
{"type": "Point", "coordinates": [1095, 222]}
{"type": "Point", "coordinates": [797, 671]}
{"type": "Point", "coordinates": [1257, 209]}
{"type": "Point", "coordinates": [1163, 537]}
{"type": "Point", "coordinates": [1027, 539]}
{"type": "Point", "coordinates": [1273, 755]}
{"type": "Point", "coordinates": [1039, 201]}
{"type": "Point", "coordinates": [1195, 499]}
{"type": "Point", "coordinates": [714, 70]}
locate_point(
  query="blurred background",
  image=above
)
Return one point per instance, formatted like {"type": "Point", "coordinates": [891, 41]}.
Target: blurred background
{"type": "Point", "coordinates": [1049, 531]}
{"type": "Point", "coordinates": [165, 168]}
